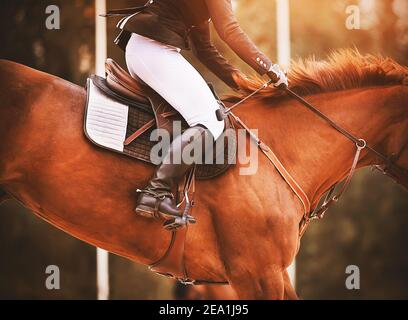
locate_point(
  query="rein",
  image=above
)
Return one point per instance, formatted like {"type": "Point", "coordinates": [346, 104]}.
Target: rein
{"type": "Point", "coordinates": [330, 198]}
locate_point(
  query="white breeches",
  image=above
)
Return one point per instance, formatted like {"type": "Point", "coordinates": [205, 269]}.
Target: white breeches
{"type": "Point", "coordinates": [164, 69]}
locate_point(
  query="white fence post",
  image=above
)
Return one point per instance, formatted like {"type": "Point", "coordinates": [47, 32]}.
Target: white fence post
{"type": "Point", "coordinates": [102, 256]}
{"type": "Point", "coordinates": [284, 57]}
{"type": "Point", "coordinates": [283, 32]}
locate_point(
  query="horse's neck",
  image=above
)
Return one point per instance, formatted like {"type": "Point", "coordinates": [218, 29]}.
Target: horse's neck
{"type": "Point", "coordinates": [314, 153]}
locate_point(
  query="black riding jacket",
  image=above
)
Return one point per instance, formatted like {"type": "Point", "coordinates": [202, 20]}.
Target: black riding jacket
{"type": "Point", "coordinates": [185, 24]}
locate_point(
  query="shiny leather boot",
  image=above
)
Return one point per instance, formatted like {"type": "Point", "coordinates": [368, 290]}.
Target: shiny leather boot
{"type": "Point", "coordinates": [157, 200]}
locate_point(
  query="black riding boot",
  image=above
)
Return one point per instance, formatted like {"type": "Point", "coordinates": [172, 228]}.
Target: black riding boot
{"type": "Point", "coordinates": [157, 199]}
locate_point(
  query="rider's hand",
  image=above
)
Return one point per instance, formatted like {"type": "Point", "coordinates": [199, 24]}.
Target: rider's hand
{"type": "Point", "coordinates": [278, 77]}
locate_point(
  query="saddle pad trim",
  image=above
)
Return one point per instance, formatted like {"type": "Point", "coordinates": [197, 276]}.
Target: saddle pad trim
{"type": "Point", "coordinates": [96, 133]}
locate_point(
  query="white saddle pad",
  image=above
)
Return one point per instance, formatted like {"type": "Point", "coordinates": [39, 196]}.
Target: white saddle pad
{"type": "Point", "coordinates": [105, 120]}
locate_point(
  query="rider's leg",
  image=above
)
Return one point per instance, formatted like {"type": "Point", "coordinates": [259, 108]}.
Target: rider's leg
{"type": "Point", "coordinates": [165, 70]}
{"type": "Point", "coordinates": [157, 198]}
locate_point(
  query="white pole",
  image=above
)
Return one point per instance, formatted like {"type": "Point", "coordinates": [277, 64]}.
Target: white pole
{"type": "Point", "coordinates": [101, 37]}
{"type": "Point", "coordinates": [102, 256]}
{"type": "Point", "coordinates": [283, 32]}
{"type": "Point", "coordinates": [284, 57]}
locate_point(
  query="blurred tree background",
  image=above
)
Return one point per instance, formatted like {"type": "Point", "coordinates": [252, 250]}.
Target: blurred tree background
{"type": "Point", "coordinates": [367, 228]}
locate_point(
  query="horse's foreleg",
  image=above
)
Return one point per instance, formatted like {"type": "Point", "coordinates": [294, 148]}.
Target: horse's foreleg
{"type": "Point", "coordinates": [256, 257]}
{"type": "Point", "coordinates": [267, 285]}
{"type": "Point", "coordinates": [290, 293]}
{"type": "Point", "coordinates": [273, 285]}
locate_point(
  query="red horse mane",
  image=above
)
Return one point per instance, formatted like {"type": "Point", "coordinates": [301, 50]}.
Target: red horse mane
{"type": "Point", "coordinates": [343, 69]}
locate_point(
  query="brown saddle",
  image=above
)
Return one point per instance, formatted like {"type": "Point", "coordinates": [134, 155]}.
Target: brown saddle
{"type": "Point", "coordinates": [121, 82]}
{"type": "Point", "coordinates": [148, 111]}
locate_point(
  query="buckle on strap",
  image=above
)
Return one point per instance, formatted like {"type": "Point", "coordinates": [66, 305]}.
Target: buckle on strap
{"type": "Point", "coordinates": [361, 144]}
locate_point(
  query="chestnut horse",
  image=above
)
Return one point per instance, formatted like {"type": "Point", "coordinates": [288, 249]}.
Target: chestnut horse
{"type": "Point", "coordinates": [204, 292]}
{"type": "Point", "coordinates": [248, 226]}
